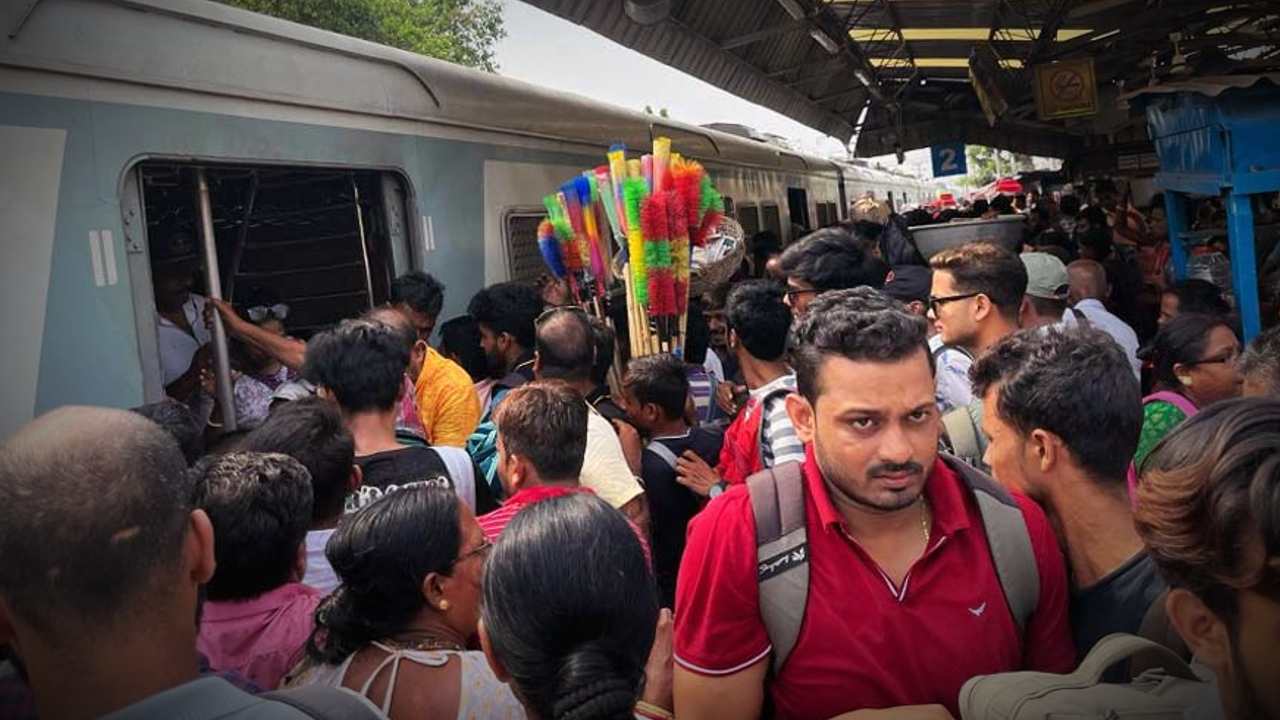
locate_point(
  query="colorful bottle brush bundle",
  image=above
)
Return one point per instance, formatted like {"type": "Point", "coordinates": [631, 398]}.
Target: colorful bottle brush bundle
{"type": "Point", "coordinates": [655, 208]}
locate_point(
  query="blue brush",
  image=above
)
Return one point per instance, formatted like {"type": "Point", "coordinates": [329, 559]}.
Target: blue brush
{"type": "Point", "coordinates": [549, 246]}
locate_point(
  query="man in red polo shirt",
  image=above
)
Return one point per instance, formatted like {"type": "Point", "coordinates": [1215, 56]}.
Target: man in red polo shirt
{"type": "Point", "coordinates": [904, 603]}
{"type": "Point", "coordinates": [542, 436]}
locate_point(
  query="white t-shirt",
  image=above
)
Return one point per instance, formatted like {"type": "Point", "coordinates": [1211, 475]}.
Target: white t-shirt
{"type": "Point", "coordinates": [320, 574]}
{"type": "Point", "coordinates": [177, 347]}
{"type": "Point", "coordinates": [953, 388]}
{"type": "Point", "coordinates": [711, 363]}
{"type": "Point", "coordinates": [604, 467]}
{"type": "Point", "coordinates": [1101, 318]}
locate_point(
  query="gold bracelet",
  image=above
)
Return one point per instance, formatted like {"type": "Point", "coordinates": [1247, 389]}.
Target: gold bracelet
{"type": "Point", "coordinates": [650, 710]}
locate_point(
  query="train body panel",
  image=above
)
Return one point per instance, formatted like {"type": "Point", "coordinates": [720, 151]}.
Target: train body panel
{"type": "Point", "coordinates": [94, 93]}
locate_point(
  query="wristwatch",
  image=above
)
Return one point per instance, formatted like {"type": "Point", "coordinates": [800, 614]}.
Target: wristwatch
{"type": "Point", "coordinates": [717, 489]}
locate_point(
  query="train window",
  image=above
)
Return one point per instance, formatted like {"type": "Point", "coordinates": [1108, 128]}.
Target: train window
{"type": "Point", "coordinates": [824, 219]}
{"type": "Point", "coordinates": [749, 218]}
{"type": "Point", "coordinates": [320, 241]}
{"type": "Point", "coordinates": [771, 219]}
{"type": "Point", "coordinates": [520, 231]}
{"type": "Point", "coordinates": [728, 206]}
{"type": "Point", "coordinates": [798, 207]}
{"type": "Point", "coordinates": [833, 212]}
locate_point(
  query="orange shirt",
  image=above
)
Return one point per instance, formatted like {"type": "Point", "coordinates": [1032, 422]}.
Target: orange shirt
{"type": "Point", "coordinates": [447, 401]}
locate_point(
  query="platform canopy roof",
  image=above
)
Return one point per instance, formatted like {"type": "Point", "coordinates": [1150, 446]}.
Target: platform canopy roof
{"type": "Point", "coordinates": [900, 74]}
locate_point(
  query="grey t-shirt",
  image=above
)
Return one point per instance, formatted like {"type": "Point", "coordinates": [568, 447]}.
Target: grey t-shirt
{"type": "Point", "coordinates": [205, 699]}
{"type": "Point", "coordinates": [1116, 603]}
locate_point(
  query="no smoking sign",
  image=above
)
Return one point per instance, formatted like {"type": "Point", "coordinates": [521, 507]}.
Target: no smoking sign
{"type": "Point", "coordinates": [1066, 89]}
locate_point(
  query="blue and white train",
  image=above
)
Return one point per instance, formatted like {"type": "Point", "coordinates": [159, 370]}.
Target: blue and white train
{"type": "Point", "coordinates": [333, 164]}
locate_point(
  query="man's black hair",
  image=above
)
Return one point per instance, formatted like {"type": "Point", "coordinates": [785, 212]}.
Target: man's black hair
{"type": "Point", "coordinates": [310, 431]}
{"type": "Point", "coordinates": [859, 324]}
{"type": "Point", "coordinates": [460, 338]}
{"type": "Point", "coordinates": [758, 316]}
{"type": "Point", "coordinates": [1199, 296]}
{"type": "Point", "coordinates": [177, 420]}
{"type": "Point", "coordinates": [1002, 204]}
{"type": "Point", "coordinates": [831, 259]}
{"type": "Point", "coordinates": [697, 338]}
{"type": "Point", "coordinates": [1073, 382]}
{"type": "Point", "coordinates": [566, 345]}
{"type": "Point", "coordinates": [661, 380]}
{"type": "Point", "coordinates": [985, 268]}
{"type": "Point", "coordinates": [94, 506]}
{"type": "Point", "coordinates": [980, 206]}
{"type": "Point", "coordinates": [420, 291]}
{"type": "Point", "coordinates": [508, 307]}
{"type": "Point", "coordinates": [260, 507]}
{"type": "Point", "coordinates": [1069, 205]}
{"type": "Point", "coordinates": [1095, 216]}
{"type": "Point", "coordinates": [362, 362]}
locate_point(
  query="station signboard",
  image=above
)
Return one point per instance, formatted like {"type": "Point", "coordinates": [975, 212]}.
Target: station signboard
{"type": "Point", "coordinates": [948, 159]}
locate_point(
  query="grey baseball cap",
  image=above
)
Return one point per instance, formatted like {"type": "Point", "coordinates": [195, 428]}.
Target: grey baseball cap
{"type": "Point", "coordinates": [1046, 276]}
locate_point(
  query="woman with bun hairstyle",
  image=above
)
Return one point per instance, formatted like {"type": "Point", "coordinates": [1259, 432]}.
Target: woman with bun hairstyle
{"type": "Point", "coordinates": [397, 629]}
{"type": "Point", "coordinates": [570, 611]}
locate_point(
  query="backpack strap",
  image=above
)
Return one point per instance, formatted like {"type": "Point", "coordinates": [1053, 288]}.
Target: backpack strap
{"type": "Point", "coordinates": [937, 352]}
{"type": "Point", "coordinates": [1008, 539]}
{"type": "Point", "coordinates": [782, 554]}
{"type": "Point", "coordinates": [327, 703]}
{"type": "Point", "coordinates": [1117, 647]}
{"type": "Point", "coordinates": [663, 452]}
{"type": "Point", "coordinates": [1157, 628]}
{"type": "Point", "coordinates": [964, 433]}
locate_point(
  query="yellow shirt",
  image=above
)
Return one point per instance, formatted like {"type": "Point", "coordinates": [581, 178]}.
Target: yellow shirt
{"type": "Point", "coordinates": [447, 401]}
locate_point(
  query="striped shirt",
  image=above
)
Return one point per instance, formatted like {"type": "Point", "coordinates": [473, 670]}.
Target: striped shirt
{"type": "Point", "coordinates": [493, 523]}
{"type": "Point", "coordinates": [779, 442]}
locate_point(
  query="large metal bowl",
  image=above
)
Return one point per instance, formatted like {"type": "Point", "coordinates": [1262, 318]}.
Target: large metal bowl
{"type": "Point", "coordinates": [1005, 231]}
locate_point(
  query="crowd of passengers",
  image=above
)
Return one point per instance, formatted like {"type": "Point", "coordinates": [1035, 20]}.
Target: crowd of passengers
{"type": "Point", "coordinates": [493, 527]}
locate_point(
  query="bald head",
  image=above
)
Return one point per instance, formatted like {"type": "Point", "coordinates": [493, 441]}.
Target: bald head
{"type": "Point", "coordinates": [565, 346]}
{"type": "Point", "coordinates": [94, 505]}
{"type": "Point", "coordinates": [1088, 280]}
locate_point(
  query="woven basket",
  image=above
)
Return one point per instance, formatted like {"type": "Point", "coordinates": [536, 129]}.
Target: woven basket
{"type": "Point", "coordinates": [715, 262]}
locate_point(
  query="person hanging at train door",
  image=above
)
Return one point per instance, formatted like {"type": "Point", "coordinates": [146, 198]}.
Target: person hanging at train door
{"type": "Point", "coordinates": [181, 334]}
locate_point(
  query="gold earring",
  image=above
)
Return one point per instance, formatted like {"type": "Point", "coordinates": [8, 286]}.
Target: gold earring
{"type": "Point", "coordinates": [1185, 380]}
{"type": "Point", "coordinates": [444, 605]}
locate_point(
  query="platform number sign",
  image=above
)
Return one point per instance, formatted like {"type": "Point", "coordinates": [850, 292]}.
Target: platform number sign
{"type": "Point", "coordinates": [948, 160]}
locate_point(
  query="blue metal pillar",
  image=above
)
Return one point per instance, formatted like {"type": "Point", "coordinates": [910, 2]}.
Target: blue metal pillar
{"type": "Point", "coordinates": [1175, 211]}
{"type": "Point", "coordinates": [1244, 264]}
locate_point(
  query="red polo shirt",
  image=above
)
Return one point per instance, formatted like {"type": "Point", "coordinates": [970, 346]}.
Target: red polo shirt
{"type": "Point", "coordinates": [866, 644]}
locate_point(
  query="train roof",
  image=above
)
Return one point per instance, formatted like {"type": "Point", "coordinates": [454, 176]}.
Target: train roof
{"type": "Point", "coordinates": [206, 47]}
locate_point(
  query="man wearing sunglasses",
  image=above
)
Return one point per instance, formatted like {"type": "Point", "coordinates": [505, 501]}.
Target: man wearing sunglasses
{"type": "Point", "coordinates": [828, 259]}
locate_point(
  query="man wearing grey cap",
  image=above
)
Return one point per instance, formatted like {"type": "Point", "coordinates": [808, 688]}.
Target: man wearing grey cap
{"type": "Point", "coordinates": [1045, 301]}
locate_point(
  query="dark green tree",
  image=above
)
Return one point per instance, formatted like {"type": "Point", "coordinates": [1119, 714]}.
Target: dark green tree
{"type": "Point", "coordinates": [460, 31]}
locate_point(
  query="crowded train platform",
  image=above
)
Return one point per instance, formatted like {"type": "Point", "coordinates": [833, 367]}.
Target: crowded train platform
{"type": "Point", "coordinates": [385, 387]}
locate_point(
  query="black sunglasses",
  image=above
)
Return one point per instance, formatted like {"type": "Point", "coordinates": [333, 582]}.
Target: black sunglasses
{"type": "Point", "coordinates": [936, 302]}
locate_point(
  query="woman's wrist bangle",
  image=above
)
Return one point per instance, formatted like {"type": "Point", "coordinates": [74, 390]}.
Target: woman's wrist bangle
{"type": "Point", "coordinates": [653, 712]}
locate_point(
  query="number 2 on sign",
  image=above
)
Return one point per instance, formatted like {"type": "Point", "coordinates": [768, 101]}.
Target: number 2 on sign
{"type": "Point", "coordinates": [948, 160]}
